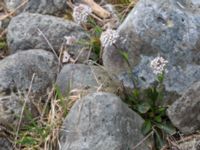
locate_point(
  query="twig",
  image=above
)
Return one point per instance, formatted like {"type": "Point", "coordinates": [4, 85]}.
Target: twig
{"type": "Point", "coordinates": [79, 54]}
{"type": "Point", "coordinates": [50, 45]}
{"type": "Point", "coordinates": [124, 13]}
{"type": "Point", "coordinates": [13, 12]}
{"type": "Point", "coordinates": [144, 139]}
{"type": "Point", "coordinates": [97, 9]}
{"type": "Point", "coordinates": [3, 33]}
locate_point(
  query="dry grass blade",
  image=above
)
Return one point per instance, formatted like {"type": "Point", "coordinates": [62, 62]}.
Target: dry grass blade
{"type": "Point", "coordinates": [143, 140]}
{"type": "Point", "coordinates": [14, 11]}
{"type": "Point", "coordinates": [50, 45]}
{"type": "Point", "coordinates": [23, 108]}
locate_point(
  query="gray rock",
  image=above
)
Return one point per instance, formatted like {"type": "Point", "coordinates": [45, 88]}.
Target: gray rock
{"type": "Point", "coordinates": [35, 31]}
{"type": "Point", "coordinates": [10, 109]}
{"type": "Point", "coordinates": [168, 28]}
{"type": "Point", "coordinates": [101, 121]}
{"type": "Point", "coordinates": [86, 79]}
{"type": "Point", "coordinates": [51, 7]}
{"type": "Point", "coordinates": [5, 144]}
{"type": "Point", "coordinates": [184, 113]}
{"type": "Point", "coordinates": [16, 72]}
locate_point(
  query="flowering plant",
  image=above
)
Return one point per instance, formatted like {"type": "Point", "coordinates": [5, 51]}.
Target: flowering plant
{"type": "Point", "coordinates": [81, 13]}
{"type": "Point", "coordinates": [145, 102]}
{"type": "Point", "coordinates": [158, 65]}
{"type": "Point", "coordinates": [109, 37]}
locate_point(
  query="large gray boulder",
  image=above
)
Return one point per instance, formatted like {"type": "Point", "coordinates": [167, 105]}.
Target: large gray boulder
{"type": "Point", "coordinates": [17, 70]}
{"type": "Point", "coordinates": [169, 28]}
{"type": "Point", "coordinates": [51, 7]}
{"type": "Point", "coordinates": [86, 79]}
{"type": "Point", "coordinates": [101, 121]}
{"type": "Point", "coordinates": [35, 31]}
{"type": "Point", "coordinates": [184, 113]}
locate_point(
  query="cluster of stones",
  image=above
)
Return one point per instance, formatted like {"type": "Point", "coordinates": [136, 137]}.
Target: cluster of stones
{"type": "Point", "coordinates": [100, 120]}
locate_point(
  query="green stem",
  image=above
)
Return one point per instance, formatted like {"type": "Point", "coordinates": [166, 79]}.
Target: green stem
{"type": "Point", "coordinates": [133, 80]}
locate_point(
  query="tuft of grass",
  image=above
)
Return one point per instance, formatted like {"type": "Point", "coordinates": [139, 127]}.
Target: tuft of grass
{"type": "Point", "coordinates": [42, 132]}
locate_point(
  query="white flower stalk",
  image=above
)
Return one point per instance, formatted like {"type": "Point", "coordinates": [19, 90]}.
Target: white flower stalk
{"type": "Point", "coordinates": [158, 65]}
{"type": "Point", "coordinates": [109, 37]}
{"type": "Point", "coordinates": [81, 13]}
{"type": "Point", "coordinates": [70, 40]}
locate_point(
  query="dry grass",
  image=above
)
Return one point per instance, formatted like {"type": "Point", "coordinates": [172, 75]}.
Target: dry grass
{"type": "Point", "coordinates": [42, 132]}
{"type": "Point", "coordinates": [181, 142]}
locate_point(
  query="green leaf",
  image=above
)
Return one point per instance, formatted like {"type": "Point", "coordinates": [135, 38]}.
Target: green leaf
{"type": "Point", "coordinates": [98, 31]}
{"type": "Point", "coordinates": [161, 111]}
{"type": "Point", "coordinates": [158, 119]}
{"type": "Point", "coordinates": [2, 45]}
{"type": "Point", "coordinates": [124, 54]}
{"type": "Point", "coordinates": [167, 128]}
{"type": "Point", "coordinates": [91, 21]}
{"type": "Point", "coordinates": [159, 140]}
{"type": "Point", "coordinates": [58, 92]}
{"type": "Point", "coordinates": [146, 127]}
{"type": "Point", "coordinates": [27, 141]}
{"type": "Point", "coordinates": [96, 45]}
{"type": "Point", "coordinates": [160, 95]}
{"type": "Point", "coordinates": [152, 93]}
{"type": "Point", "coordinates": [160, 78]}
{"type": "Point", "coordinates": [136, 93]}
{"type": "Point", "coordinates": [144, 107]}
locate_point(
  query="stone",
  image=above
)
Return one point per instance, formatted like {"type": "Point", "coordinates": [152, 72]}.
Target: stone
{"type": "Point", "coordinates": [101, 121]}
{"type": "Point", "coordinates": [17, 70]}
{"type": "Point", "coordinates": [36, 31]}
{"type": "Point", "coordinates": [184, 113]}
{"type": "Point", "coordinates": [167, 28]}
{"type": "Point", "coordinates": [50, 7]}
{"type": "Point", "coordinates": [85, 79]}
{"type": "Point", "coordinates": [5, 144]}
{"type": "Point", "coordinates": [25, 77]}
{"type": "Point", "coordinates": [10, 109]}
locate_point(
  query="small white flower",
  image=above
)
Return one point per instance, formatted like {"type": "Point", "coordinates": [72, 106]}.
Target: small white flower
{"type": "Point", "coordinates": [65, 57]}
{"type": "Point", "coordinates": [158, 65]}
{"type": "Point", "coordinates": [81, 13]}
{"type": "Point", "coordinates": [109, 37]}
{"type": "Point", "coordinates": [70, 40]}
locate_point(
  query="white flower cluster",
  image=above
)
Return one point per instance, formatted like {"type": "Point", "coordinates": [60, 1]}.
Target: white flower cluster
{"type": "Point", "coordinates": [81, 13]}
{"type": "Point", "coordinates": [158, 65]}
{"type": "Point", "coordinates": [70, 40]}
{"type": "Point", "coordinates": [109, 37]}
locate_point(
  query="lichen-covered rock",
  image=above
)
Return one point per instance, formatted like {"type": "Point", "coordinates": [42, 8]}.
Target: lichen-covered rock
{"type": "Point", "coordinates": [35, 31]}
{"type": "Point", "coordinates": [86, 79]}
{"type": "Point", "coordinates": [169, 28]}
{"type": "Point", "coordinates": [17, 71]}
{"type": "Point", "coordinates": [101, 121]}
{"type": "Point", "coordinates": [184, 113]}
{"type": "Point", "coordinates": [51, 7]}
